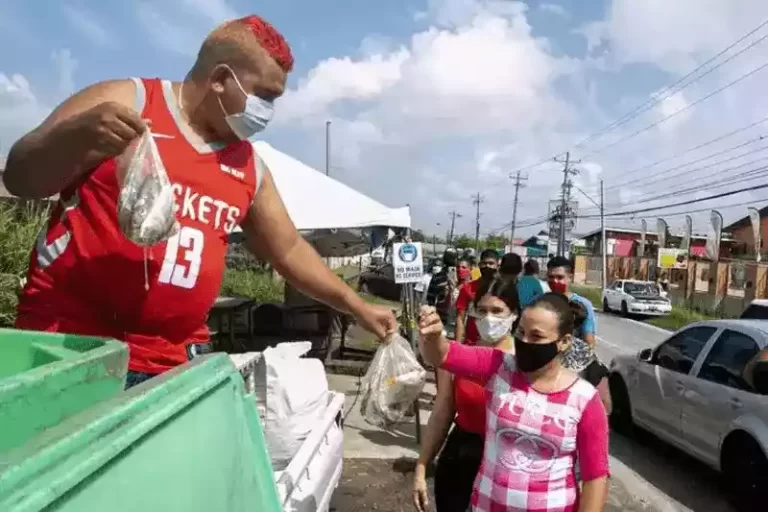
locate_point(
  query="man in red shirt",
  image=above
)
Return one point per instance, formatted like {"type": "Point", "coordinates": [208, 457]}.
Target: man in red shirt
{"type": "Point", "coordinates": [466, 331]}
{"type": "Point", "coordinates": [87, 278]}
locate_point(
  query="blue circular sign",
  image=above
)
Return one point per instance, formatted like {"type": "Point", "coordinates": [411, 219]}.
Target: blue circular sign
{"type": "Point", "coordinates": [408, 253]}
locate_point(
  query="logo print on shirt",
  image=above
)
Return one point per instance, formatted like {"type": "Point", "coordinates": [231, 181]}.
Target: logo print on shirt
{"type": "Point", "coordinates": [232, 172]}
{"type": "Point", "coordinates": [529, 453]}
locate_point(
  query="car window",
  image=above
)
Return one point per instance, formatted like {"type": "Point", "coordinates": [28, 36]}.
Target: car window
{"type": "Point", "coordinates": [726, 361]}
{"type": "Point", "coordinates": [643, 288]}
{"type": "Point", "coordinates": [679, 352]}
{"type": "Point", "coordinates": [755, 312]}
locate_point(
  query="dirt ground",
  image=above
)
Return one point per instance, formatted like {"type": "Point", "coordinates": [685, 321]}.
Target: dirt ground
{"type": "Point", "coordinates": [385, 485]}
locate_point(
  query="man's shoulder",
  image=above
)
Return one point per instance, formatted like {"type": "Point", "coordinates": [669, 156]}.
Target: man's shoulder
{"type": "Point", "coordinates": [587, 303]}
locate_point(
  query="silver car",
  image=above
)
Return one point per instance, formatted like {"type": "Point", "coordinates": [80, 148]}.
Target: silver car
{"type": "Point", "coordinates": [691, 392]}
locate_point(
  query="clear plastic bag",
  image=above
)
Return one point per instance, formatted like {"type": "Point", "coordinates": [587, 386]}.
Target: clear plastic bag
{"type": "Point", "coordinates": [145, 208]}
{"type": "Point", "coordinates": [392, 384]}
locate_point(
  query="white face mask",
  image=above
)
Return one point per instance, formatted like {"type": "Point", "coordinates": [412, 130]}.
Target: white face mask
{"type": "Point", "coordinates": [253, 119]}
{"type": "Point", "coordinates": [493, 328]}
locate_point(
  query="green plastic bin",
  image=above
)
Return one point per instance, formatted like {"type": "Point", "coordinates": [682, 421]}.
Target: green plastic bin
{"type": "Point", "coordinates": [45, 378]}
{"type": "Point", "coordinates": [189, 440]}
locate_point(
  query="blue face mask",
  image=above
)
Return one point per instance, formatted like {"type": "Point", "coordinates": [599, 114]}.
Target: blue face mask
{"type": "Point", "coordinates": [253, 119]}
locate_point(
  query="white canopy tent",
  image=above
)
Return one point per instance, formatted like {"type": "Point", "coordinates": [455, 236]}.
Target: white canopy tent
{"type": "Point", "coordinates": [337, 219]}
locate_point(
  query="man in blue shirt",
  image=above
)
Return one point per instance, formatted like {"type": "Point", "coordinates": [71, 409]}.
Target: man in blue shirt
{"type": "Point", "coordinates": [529, 286]}
{"type": "Point", "coordinates": [559, 274]}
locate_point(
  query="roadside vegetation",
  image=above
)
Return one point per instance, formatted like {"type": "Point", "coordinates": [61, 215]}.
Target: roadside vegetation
{"type": "Point", "coordinates": [680, 316]}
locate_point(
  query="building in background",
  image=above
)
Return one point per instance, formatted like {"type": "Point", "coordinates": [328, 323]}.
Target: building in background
{"type": "Point", "coordinates": [743, 237]}
{"type": "Point", "coordinates": [625, 242]}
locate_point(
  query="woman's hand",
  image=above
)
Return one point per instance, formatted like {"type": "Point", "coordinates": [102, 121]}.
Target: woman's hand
{"type": "Point", "coordinates": [434, 345]}
{"type": "Point", "coordinates": [420, 493]}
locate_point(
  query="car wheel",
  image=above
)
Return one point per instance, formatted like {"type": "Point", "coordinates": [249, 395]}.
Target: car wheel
{"type": "Point", "coordinates": [621, 412]}
{"type": "Point", "coordinates": [624, 309]}
{"type": "Point", "coordinates": [606, 308]}
{"type": "Point", "coordinates": [744, 467]}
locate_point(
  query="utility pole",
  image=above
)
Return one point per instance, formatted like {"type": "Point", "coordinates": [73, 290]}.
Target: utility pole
{"type": "Point", "coordinates": [327, 148]}
{"type": "Point", "coordinates": [454, 215]}
{"type": "Point", "coordinates": [603, 241]}
{"type": "Point", "coordinates": [565, 196]}
{"type": "Point", "coordinates": [519, 179]}
{"type": "Point", "coordinates": [477, 200]}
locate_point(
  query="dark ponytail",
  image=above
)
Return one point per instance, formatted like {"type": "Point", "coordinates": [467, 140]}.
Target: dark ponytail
{"type": "Point", "coordinates": [557, 304]}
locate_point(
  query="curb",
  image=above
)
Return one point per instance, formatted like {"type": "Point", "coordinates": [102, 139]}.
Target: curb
{"type": "Point", "coordinates": [642, 490]}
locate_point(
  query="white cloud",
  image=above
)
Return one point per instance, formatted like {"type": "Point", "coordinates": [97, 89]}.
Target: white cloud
{"type": "Point", "coordinates": [86, 23]}
{"type": "Point", "coordinates": [21, 108]}
{"type": "Point", "coordinates": [556, 9]}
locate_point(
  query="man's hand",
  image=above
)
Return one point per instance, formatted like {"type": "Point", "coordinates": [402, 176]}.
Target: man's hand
{"type": "Point", "coordinates": [378, 320]}
{"type": "Point", "coordinates": [109, 127]}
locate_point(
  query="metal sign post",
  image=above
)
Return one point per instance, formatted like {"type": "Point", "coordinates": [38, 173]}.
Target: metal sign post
{"type": "Point", "coordinates": [408, 263]}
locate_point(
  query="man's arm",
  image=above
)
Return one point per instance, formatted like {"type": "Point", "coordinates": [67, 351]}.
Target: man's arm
{"type": "Point", "coordinates": [589, 327]}
{"type": "Point", "coordinates": [271, 235]}
{"type": "Point", "coordinates": [75, 138]}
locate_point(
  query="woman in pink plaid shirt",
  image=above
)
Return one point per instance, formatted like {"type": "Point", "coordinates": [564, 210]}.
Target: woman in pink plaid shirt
{"type": "Point", "coordinates": [541, 417]}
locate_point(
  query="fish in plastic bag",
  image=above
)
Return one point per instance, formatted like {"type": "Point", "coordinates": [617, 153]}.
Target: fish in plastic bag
{"type": "Point", "coordinates": [145, 208]}
{"type": "Point", "coordinates": [392, 383]}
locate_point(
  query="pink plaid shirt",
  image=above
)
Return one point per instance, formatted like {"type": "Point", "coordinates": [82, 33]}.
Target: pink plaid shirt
{"type": "Point", "coordinates": [532, 439]}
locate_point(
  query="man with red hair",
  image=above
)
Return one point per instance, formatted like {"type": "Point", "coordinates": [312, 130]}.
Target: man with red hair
{"type": "Point", "coordinates": [85, 277]}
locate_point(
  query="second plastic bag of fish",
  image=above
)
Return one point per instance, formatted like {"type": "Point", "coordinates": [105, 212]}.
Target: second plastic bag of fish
{"type": "Point", "coordinates": [392, 384]}
{"type": "Point", "coordinates": [145, 208]}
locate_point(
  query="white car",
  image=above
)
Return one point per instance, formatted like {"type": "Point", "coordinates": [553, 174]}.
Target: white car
{"type": "Point", "coordinates": [636, 297]}
{"type": "Point", "coordinates": [691, 392]}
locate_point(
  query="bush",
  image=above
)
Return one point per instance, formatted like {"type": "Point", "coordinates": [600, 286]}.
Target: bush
{"type": "Point", "coordinates": [679, 318]}
{"type": "Point", "coordinates": [592, 294]}
{"type": "Point", "coordinates": [252, 284]}
{"type": "Point", "coordinates": [19, 225]}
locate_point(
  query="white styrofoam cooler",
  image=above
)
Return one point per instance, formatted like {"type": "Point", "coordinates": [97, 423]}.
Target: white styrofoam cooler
{"type": "Point", "coordinates": [308, 482]}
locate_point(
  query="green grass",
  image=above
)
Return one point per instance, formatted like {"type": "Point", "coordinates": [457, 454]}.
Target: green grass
{"type": "Point", "coordinates": [252, 284]}
{"type": "Point", "coordinates": [679, 318]}
{"type": "Point", "coordinates": [19, 225]}
{"type": "Point", "coordinates": [591, 293]}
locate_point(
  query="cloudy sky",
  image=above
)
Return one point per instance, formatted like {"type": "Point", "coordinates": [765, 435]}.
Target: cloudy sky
{"type": "Point", "coordinates": [432, 101]}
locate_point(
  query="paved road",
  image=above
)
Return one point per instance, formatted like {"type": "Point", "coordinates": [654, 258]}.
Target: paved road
{"type": "Point", "coordinates": [689, 484]}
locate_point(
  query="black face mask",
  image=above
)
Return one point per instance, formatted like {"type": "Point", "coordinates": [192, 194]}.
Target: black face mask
{"type": "Point", "coordinates": [487, 272]}
{"type": "Point", "coordinates": [531, 357]}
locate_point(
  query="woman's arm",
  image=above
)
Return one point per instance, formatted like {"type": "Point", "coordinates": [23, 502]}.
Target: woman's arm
{"type": "Point", "coordinates": [476, 363]}
{"type": "Point", "coordinates": [594, 494]}
{"type": "Point", "coordinates": [592, 452]}
{"type": "Point", "coordinates": [438, 425]}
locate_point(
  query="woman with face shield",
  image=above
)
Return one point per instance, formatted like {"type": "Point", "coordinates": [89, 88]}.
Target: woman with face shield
{"type": "Point", "coordinates": [540, 416]}
{"type": "Point", "coordinates": [460, 403]}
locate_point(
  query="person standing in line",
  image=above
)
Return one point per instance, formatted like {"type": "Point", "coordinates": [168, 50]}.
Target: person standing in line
{"type": "Point", "coordinates": [530, 287]}
{"type": "Point", "coordinates": [461, 403]}
{"type": "Point", "coordinates": [474, 268]}
{"type": "Point", "coordinates": [559, 278]}
{"type": "Point", "coordinates": [466, 329]}
{"type": "Point", "coordinates": [541, 418]}
{"type": "Point", "coordinates": [511, 265]}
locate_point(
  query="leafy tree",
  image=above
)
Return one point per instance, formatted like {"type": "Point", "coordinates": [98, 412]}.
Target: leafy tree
{"type": "Point", "coordinates": [463, 241]}
{"type": "Point", "coordinates": [494, 242]}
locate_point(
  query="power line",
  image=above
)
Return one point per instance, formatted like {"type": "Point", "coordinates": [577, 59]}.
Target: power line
{"type": "Point", "coordinates": [646, 178]}
{"type": "Point", "coordinates": [672, 89]}
{"type": "Point", "coordinates": [641, 108]}
{"type": "Point", "coordinates": [677, 112]}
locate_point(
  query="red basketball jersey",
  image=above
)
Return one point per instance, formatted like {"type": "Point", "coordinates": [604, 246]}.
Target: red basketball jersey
{"type": "Point", "coordinates": [85, 277]}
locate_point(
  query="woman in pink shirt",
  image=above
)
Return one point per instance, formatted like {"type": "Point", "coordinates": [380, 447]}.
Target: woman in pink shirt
{"type": "Point", "coordinates": [540, 417]}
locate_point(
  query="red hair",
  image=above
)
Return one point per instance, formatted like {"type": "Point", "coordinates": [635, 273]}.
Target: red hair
{"type": "Point", "coordinates": [270, 39]}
